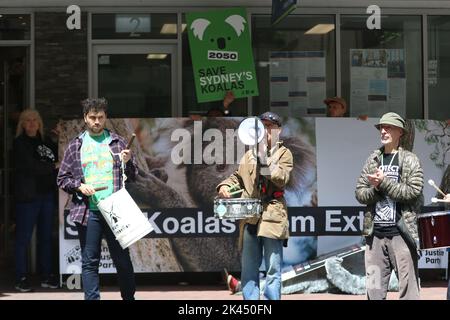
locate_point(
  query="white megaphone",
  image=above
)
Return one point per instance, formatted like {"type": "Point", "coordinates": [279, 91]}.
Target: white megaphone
{"type": "Point", "coordinates": [251, 130]}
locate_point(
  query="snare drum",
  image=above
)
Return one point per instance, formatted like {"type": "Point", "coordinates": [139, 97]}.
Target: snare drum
{"type": "Point", "coordinates": [434, 229]}
{"type": "Point", "coordinates": [237, 208]}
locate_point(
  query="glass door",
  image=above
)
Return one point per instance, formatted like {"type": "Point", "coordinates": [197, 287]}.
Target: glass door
{"type": "Point", "coordinates": [137, 80]}
{"type": "Point", "coordinates": [13, 99]}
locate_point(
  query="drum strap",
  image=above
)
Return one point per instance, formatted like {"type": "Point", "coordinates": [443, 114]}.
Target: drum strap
{"type": "Point", "coordinates": [265, 189]}
{"type": "Point", "coordinates": [263, 186]}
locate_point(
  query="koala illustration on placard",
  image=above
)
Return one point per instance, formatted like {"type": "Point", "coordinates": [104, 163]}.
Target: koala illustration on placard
{"type": "Point", "coordinates": [219, 39]}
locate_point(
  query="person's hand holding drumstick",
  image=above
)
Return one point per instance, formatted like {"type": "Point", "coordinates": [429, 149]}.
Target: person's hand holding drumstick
{"type": "Point", "coordinates": [125, 154]}
{"type": "Point", "coordinates": [89, 190]}
{"type": "Point", "coordinates": [224, 192]}
{"type": "Point", "coordinates": [228, 191]}
{"type": "Point", "coordinates": [434, 199]}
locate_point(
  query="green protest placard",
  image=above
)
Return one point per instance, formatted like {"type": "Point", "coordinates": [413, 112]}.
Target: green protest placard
{"type": "Point", "coordinates": [221, 52]}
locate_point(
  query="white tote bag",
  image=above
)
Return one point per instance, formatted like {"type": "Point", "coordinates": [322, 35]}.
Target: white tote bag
{"type": "Point", "coordinates": [126, 220]}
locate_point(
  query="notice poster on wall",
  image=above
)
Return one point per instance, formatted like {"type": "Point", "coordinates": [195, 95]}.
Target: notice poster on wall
{"type": "Point", "coordinates": [377, 81]}
{"type": "Point", "coordinates": [297, 83]}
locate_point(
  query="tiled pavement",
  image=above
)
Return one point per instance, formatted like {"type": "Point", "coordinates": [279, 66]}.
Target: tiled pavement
{"type": "Point", "coordinates": [430, 291]}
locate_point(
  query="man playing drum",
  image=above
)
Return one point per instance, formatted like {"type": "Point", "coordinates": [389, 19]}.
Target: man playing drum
{"type": "Point", "coordinates": [267, 233]}
{"type": "Point", "coordinates": [391, 184]}
{"type": "Point", "coordinates": [91, 171]}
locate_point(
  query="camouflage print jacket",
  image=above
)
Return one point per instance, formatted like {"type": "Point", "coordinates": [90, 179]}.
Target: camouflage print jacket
{"type": "Point", "coordinates": [408, 192]}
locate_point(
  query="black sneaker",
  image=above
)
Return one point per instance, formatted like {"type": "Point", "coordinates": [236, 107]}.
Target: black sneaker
{"type": "Point", "coordinates": [23, 285]}
{"type": "Point", "coordinates": [50, 282]}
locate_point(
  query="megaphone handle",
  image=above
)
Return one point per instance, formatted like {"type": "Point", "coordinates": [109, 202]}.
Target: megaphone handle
{"type": "Point", "coordinates": [256, 142]}
{"type": "Point", "coordinates": [256, 133]}
{"type": "Point", "coordinates": [258, 164]}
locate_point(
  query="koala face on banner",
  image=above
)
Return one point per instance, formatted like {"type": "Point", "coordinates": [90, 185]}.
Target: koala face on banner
{"type": "Point", "coordinates": [219, 36]}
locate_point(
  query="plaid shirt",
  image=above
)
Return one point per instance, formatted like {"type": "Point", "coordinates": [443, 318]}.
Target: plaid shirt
{"type": "Point", "coordinates": [70, 175]}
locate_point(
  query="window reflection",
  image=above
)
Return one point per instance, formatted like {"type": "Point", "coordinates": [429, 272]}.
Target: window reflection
{"type": "Point", "coordinates": [381, 69]}
{"type": "Point", "coordinates": [438, 66]}
{"type": "Point", "coordinates": [15, 27]}
{"type": "Point", "coordinates": [295, 64]}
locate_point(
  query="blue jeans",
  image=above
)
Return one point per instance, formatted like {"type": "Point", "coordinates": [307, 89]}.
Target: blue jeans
{"type": "Point", "coordinates": [90, 240]}
{"type": "Point", "coordinates": [252, 253]}
{"type": "Point", "coordinates": [41, 212]}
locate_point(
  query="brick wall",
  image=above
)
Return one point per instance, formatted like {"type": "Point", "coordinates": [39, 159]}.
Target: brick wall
{"type": "Point", "coordinates": [61, 59]}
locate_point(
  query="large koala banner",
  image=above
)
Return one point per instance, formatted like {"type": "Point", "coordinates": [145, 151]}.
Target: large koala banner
{"type": "Point", "coordinates": [221, 53]}
{"type": "Point", "coordinates": [181, 161]}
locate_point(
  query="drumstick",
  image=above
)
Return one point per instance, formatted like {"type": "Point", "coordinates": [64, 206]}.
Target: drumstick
{"type": "Point", "coordinates": [237, 191]}
{"type": "Point", "coordinates": [431, 183]}
{"type": "Point", "coordinates": [100, 188]}
{"type": "Point", "coordinates": [434, 200]}
{"type": "Point", "coordinates": [131, 141]}
{"type": "Point", "coordinates": [233, 186]}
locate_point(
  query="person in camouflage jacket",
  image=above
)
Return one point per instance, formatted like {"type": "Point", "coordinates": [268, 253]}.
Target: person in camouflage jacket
{"type": "Point", "coordinates": [391, 184]}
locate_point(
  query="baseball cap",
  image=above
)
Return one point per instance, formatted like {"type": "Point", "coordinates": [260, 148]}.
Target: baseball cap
{"type": "Point", "coordinates": [336, 99]}
{"type": "Point", "coordinates": [271, 116]}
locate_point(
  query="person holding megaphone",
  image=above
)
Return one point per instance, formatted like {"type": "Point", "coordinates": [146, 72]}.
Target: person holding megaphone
{"type": "Point", "coordinates": [263, 173]}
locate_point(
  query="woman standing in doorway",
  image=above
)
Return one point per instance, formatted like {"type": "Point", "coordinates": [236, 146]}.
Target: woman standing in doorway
{"type": "Point", "coordinates": [35, 160]}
